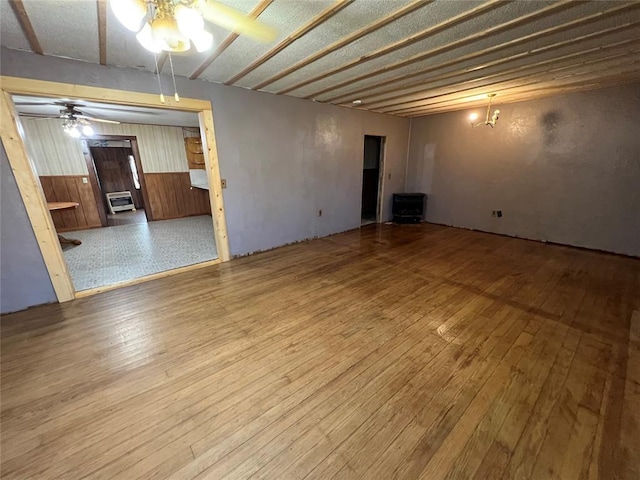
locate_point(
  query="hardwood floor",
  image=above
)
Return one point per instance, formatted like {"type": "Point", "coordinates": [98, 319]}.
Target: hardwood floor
{"type": "Point", "coordinates": [416, 352]}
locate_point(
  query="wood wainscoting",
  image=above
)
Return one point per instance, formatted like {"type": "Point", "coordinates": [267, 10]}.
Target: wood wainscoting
{"type": "Point", "coordinates": [171, 196]}
{"type": "Point", "coordinates": [70, 188]}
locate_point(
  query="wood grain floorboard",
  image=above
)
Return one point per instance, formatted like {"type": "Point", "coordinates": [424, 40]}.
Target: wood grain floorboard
{"type": "Point", "coordinates": [407, 352]}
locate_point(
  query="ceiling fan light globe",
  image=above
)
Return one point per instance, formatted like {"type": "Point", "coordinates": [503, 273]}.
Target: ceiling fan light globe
{"type": "Point", "coordinates": [167, 36]}
{"type": "Point", "coordinates": [87, 130]}
{"type": "Point", "coordinates": [130, 13]}
{"type": "Point", "coordinates": [145, 38]}
{"type": "Point", "coordinates": [202, 41]}
{"type": "Point", "coordinates": [190, 21]}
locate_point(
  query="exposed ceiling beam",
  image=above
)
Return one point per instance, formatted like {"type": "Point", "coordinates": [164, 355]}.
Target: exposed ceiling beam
{"type": "Point", "coordinates": [254, 13]}
{"type": "Point", "coordinates": [523, 71]}
{"type": "Point", "coordinates": [487, 33]}
{"type": "Point", "coordinates": [25, 24]}
{"type": "Point", "coordinates": [102, 30]}
{"type": "Point", "coordinates": [496, 48]}
{"type": "Point", "coordinates": [479, 100]}
{"type": "Point", "coordinates": [594, 71]}
{"type": "Point", "coordinates": [346, 41]}
{"type": "Point", "coordinates": [603, 83]}
{"type": "Point", "coordinates": [450, 22]}
{"type": "Point", "coordinates": [388, 96]}
{"type": "Point", "coordinates": [325, 15]}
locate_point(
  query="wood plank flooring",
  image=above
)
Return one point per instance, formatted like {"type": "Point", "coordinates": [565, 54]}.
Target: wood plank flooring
{"type": "Point", "coordinates": [415, 352]}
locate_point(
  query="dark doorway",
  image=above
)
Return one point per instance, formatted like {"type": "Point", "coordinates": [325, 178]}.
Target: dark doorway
{"type": "Point", "coordinates": [117, 170]}
{"type": "Point", "coordinates": [372, 166]}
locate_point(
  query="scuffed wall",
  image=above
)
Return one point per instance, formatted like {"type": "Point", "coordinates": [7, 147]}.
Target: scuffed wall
{"type": "Point", "coordinates": [564, 169]}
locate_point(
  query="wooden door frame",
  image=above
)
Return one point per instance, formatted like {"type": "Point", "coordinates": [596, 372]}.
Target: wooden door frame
{"type": "Point", "coordinates": [28, 182]}
{"type": "Point", "coordinates": [91, 165]}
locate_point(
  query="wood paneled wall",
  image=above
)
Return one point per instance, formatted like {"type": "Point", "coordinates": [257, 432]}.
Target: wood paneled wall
{"type": "Point", "coordinates": [69, 188]}
{"type": "Point", "coordinates": [171, 196]}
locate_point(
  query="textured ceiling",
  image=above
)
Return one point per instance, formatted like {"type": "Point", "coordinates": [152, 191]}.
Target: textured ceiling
{"type": "Point", "coordinates": [404, 57]}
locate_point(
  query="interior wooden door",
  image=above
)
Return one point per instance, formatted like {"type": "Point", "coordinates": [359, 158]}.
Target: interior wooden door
{"type": "Point", "coordinates": [114, 172]}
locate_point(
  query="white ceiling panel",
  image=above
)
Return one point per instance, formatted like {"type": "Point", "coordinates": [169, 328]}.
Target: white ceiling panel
{"type": "Point", "coordinates": [486, 43]}
{"type": "Point", "coordinates": [11, 35]}
{"type": "Point", "coordinates": [344, 23]}
{"type": "Point", "coordinates": [66, 28]}
{"type": "Point", "coordinates": [286, 16]}
{"type": "Point", "coordinates": [437, 73]}
{"type": "Point", "coordinates": [401, 29]}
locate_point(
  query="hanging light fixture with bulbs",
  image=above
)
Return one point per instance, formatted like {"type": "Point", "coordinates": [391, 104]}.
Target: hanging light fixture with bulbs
{"type": "Point", "coordinates": [164, 25]}
{"type": "Point", "coordinates": [490, 119]}
{"type": "Point", "coordinates": [178, 26]}
{"type": "Point", "coordinates": [76, 127]}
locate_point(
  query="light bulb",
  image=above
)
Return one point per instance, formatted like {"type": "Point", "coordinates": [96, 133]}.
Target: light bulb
{"type": "Point", "coordinates": [129, 13]}
{"type": "Point", "coordinates": [202, 41]}
{"type": "Point", "coordinates": [73, 132]}
{"type": "Point", "coordinates": [167, 35]}
{"type": "Point", "coordinates": [87, 130]}
{"type": "Point", "coordinates": [473, 117]}
{"type": "Point", "coordinates": [145, 37]}
{"type": "Point", "coordinates": [190, 21]}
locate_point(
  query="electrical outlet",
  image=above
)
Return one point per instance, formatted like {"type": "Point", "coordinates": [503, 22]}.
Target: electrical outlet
{"type": "Point", "coordinates": [494, 213]}
{"type": "Point", "coordinates": [85, 180]}
{"type": "Point", "coordinates": [319, 213]}
{"type": "Point", "coordinates": [224, 183]}
{"type": "Point", "coordinates": [499, 213]}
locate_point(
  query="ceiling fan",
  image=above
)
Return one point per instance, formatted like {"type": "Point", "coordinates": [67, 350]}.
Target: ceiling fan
{"type": "Point", "coordinates": [74, 122]}
{"type": "Point", "coordinates": [176, 26]}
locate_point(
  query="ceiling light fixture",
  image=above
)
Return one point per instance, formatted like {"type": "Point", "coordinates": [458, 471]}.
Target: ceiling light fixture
{"type": "Point", "coordinates": [357, 102]}
{"type": "Point", "coordinates": [76, 127]}
{"type": "Point", "coordinates": [164, 25]}
{"type": "Point", "coordinates": [474, 116]}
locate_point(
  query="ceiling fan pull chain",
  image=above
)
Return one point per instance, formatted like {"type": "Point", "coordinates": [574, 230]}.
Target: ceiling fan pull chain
{"type": "Point", "coordinates": [173, 76]}
{"type": "Point", "coordinates": [155, 59]}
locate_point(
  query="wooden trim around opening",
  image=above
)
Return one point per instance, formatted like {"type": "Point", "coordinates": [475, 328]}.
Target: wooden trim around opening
{"type": "Point", "coordinates": [93, 180]}
{"type": "Point", "coordinates": [34, 200]}
{"type": "Point", "coordinates": [29, 184]}
{"type": "Point", "coordinates": [154, 276]}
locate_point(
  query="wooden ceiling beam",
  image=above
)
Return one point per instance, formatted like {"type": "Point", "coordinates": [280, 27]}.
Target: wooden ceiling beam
{"type": "Point", "coordinates": [523, 72]}
{"type": "Point", "coordinates": [102, 30]}
{"type": "Point", "coordinates": [615, 65]}
{"type": "Point", "coordinates": [25, 24]}
{"type": "Point", "coordinates": [384, 98]}
{"type": "Point", "coordinates": [475, 99]}
{"type": "Point", "coordinates": [325, 15]}
{"type": "Point", "coordinates": [450, 22]}
{"type": "Point", "coordinates": [529, 96]}
{"type": "Point", "coordinates": [345, 41]}
{"type": "Point", "coordinates": [496, 48]}
{"type": "Point", "coordinates": [253, 14]}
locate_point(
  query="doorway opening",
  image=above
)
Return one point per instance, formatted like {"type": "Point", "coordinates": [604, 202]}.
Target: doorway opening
{"type": "Point", "coordinates": [135, 213]}
{"type": "Point", "coordinates": [371, 179]}
{"type": "Point", "coordinates": [118, 179]}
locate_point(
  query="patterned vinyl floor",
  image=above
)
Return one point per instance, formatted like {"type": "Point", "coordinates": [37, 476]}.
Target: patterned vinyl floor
{"type": "Point", "coordinates": [115, 254]}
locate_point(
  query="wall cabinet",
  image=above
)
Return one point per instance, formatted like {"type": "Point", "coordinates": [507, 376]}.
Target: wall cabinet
{"type": "Point", "coordinates": [195, 154]}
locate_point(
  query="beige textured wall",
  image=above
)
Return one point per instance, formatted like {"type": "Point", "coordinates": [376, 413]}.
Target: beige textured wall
{"type": "Point", "coordinates": [55, 153]}
{"type": "Point", "coordinates": [564, 169]}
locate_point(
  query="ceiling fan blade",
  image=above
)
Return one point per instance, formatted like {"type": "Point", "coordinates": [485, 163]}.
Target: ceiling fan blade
{"type": "Point", "coordinates": [126, 110]}
{"type": "Point", "coordinates": [37, 115]}
{"type": "Point", "coordinates": [33, 104]}
{"type": "Point", "coordinates": [236, 21]}
{"type": "Point", "coordinates": [93, 119]}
